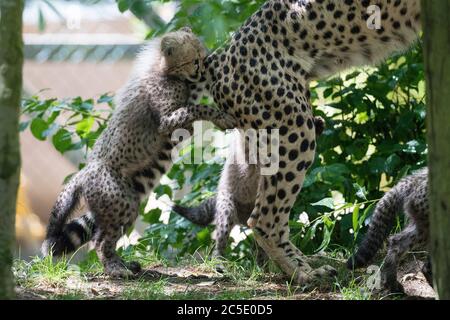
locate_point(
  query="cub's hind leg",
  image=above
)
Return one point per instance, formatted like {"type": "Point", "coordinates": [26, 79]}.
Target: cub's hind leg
{"type": "Point", "coordinates": [224, 220]}
{"type": "Point", "coordinates": [105, 245]}
{"type": "Point", "coordinates": [115, 205]}
{"type": "Point", "coordinates": [414, 235]}
{"type": "Point", "coordinates": [398, 245]}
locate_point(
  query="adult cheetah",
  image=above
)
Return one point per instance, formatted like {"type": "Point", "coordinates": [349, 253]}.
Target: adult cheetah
{"type": "Point", "coordinates": [262, 78]}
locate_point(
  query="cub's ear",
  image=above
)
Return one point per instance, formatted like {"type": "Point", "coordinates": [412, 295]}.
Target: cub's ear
{"type": "Point", "coordinates": [186, 29]}
{"type": "Point", "coordinates": [168, 45]}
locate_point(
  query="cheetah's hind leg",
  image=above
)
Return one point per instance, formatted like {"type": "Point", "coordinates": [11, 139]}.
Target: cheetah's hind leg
{"type": "Point", "coordinates": [115, 206]}
{"type": "Point", "coordinates": [114, 266]}
{"type": "Point", "coordinates": [398, 245]}
{"type": "Point", "coordinates": [272, 234]}
{"type": "Point", "coordinates": [276, 196]}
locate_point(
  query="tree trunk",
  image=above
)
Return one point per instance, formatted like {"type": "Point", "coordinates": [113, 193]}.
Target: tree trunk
{"type": "Point", "coordinates": [11, 60]}
{"type": "Point", "coordinates": [437, 64]}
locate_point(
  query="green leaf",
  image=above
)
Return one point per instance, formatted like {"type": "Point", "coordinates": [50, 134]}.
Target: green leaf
{"type": "Point", "coordinates": [361, 192]}
{"type": "Point", "coordinates": [62, 140]}
{"type": "Point", "coordinates": [358, 148]}
{"type": "Point", "coordinates": [327, 202]}
{"type": "Point", "coordinates": [366, 213]}
{"type": "Point", "coordinates": [163, 189]}
{"type": "Point", "coordinates": [38, 128]}
{"type": "Point", "coordinates": [152, 216]}
{"type": "Point", "coordinates": [105, 99]}
{"type": "Point", "coordinates": [53, 117]}
{"type": "Point", "coordinates": [328, 92]}
{"type": "Point", "coordinates": [84, 126]}
{"type": "Point", "coordinates": [376, 165]}
{"type": "Point", "coordinates": [87, 105]}
{"type": "Point", "coordinates": [204, 235]}
{"type": "Point", "coordinates": [414, 146]}
{"type": "Point", "coordinates": [392, 163]}
{"type": "Point", "coordinates": [355, 218]}
{"type": "Point", "coordinates": [310, 233]}
{"type": "Point", "coordinates": [91, 137]}
{"type": "Point", "coordinates": [123, 5]}
{"type": "Point", "coordinates": [327, 233]}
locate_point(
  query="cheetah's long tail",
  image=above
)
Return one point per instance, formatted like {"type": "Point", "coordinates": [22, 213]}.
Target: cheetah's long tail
{"type": "Point", "coordinates": [202, 215]}
{"type": "Point", "coordinates": [379, 229]}
{"type": "Point", "coordinates": [62, 237]}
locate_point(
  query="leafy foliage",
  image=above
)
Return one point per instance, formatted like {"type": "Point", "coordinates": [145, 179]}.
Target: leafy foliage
{"type": "Point", "coordinates": [375, 135]}
{"type": "Point", "coordinates": [73, 124]}
{"type": "Point", "coordinates": [214, 20]}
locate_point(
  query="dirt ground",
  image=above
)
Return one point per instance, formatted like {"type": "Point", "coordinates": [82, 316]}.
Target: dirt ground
{"type": "Point", "coordinates": [161, 282]}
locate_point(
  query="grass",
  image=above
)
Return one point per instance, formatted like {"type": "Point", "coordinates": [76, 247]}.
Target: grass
{"type": "Point", "coordinates": [193, 277]}
{"type": "Point", "coordinates": [159, 291]}
{"type": "Point", "coordinates": [146, 291]}
{"type": "Point", "coordinates": [44, 270]}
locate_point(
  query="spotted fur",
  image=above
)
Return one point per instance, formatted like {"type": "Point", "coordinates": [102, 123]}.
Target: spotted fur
{"type": "Point", "coordinates": [133, 152]}
{"type": "Point", "coordinates": [234, 202]}
{"type": "Point", "coordinates": [262, 76]}
{"type": "Point", "coordinates": [410, 196]}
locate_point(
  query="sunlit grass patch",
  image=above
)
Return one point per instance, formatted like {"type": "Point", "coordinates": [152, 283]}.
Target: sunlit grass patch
{"type": "Point", "coordinates": [145, 290]}
{"type": "Point", "coordinates": [46, 271]}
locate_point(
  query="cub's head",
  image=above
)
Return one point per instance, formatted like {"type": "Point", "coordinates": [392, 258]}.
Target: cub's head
{"type": "Point", "coordinates": [183, 54]}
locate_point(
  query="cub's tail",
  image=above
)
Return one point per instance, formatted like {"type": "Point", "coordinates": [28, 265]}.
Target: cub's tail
{"type": "Point", "coordinates": [73, 235]}
{"type": "Point", "coordinates": [202, 215]}
{"type": "Point", "coordinates": [61, 237]}
{"type": "Point", "coordinates": [379, 229]}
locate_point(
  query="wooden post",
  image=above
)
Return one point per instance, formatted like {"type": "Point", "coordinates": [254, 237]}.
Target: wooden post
{"type": "Point", "coordinates": [437, 63]}
{"type": "Point", "coordinates": [11, 61]}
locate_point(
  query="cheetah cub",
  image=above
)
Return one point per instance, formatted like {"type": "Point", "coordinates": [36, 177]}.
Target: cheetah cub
{"type": "Point", "coordinates": [133, 152]}
{"type": "Point", "coordinates": [410, 195]}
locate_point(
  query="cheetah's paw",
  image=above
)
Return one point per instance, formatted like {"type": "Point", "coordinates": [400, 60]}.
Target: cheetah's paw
{"type": "Point", "coordinates": [134, 267]}
{"type": "Point", "coordinates": [122, 270]}
{"type": "Point", "coordinates": [325, 271]}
